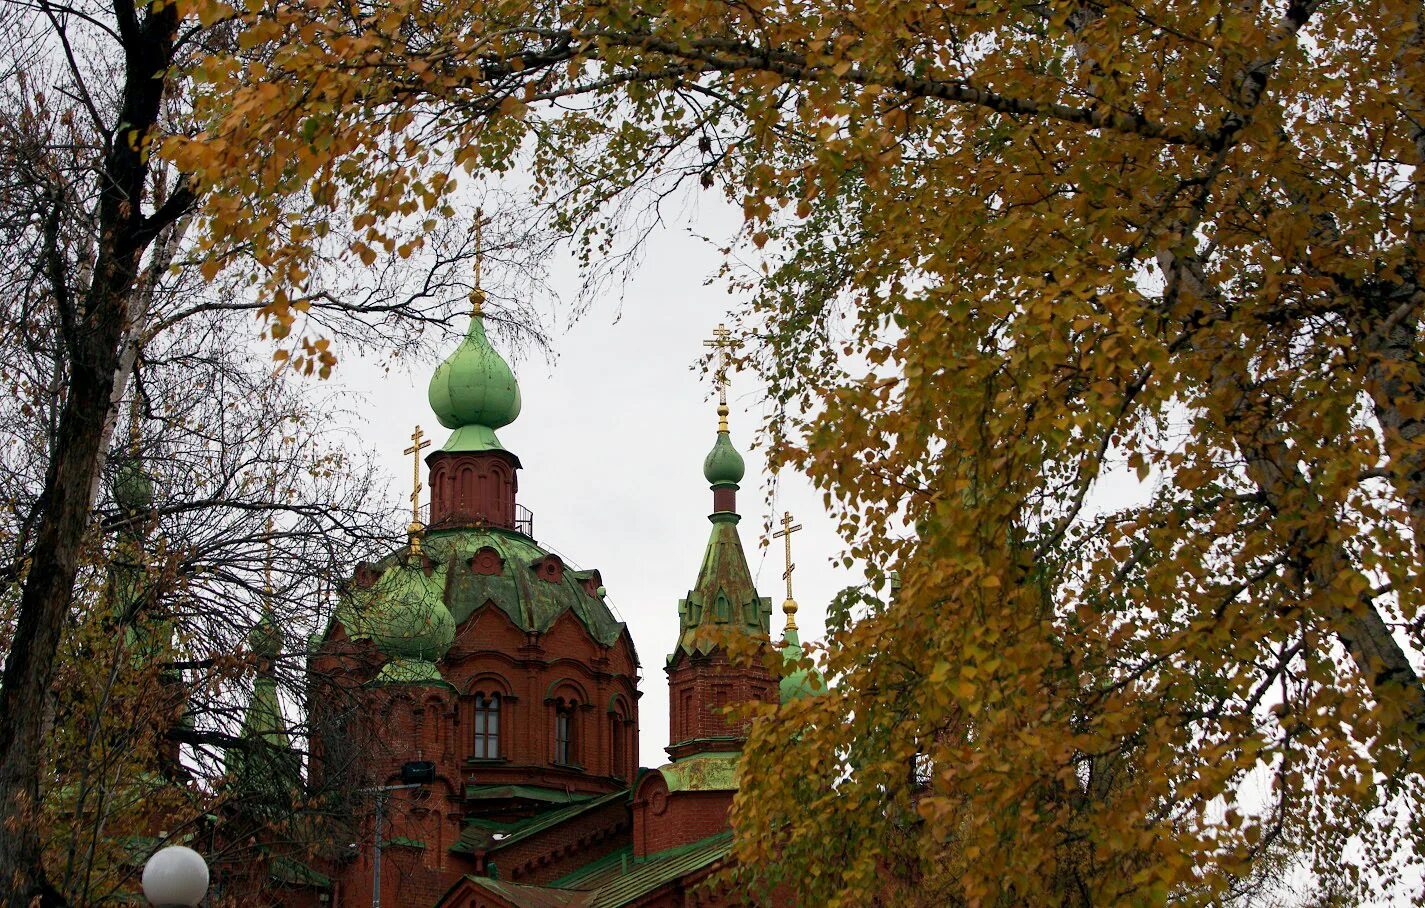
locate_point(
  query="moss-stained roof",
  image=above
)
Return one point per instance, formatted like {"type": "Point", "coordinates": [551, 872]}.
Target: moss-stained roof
{"type": "Point", "coordinates": [478, 836]}
{"type": "Point", "coordinates": [295, 873]}
{"type": "Point", "coordinates": [614, 880]}
{"type": "Point", "coordinates": [531, 601]}
{"type": "Point", "coordinates": [528, 792]}
{"type": "Point", "coordinates": [704, 772]}
{"type": "Point", "coordinates": [529, 896]}
{"type": "Point", "coordinates": [723, 595]}
{"type": "Point", "coordinates": [623, 884]}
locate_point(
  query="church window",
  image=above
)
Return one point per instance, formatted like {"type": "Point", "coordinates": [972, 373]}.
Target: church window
{"type": "Point", "coordinates": [487, 726]}
{"type": "Point", "coordinates": [564, 735]}
{"type": "Point", "coordinates": [618, 741]}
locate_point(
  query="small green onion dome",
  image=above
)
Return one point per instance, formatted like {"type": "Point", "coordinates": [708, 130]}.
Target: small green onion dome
{"type": "Point", "coordinates": [723, 465]}
{"type": "Point", "coordinates": [405, 615]}
{"type": "Point", "coordinates": [133, 489]}
{"type": "Point", "coordinates": [265, 638]}
{"type": "Point", "coordinates": [802, 682]}
{"type": "Point", "coordinates": [474, 386]}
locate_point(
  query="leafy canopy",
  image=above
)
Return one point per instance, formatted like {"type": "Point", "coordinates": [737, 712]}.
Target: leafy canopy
{"type": "Point", "coordinates": [1006, 249]}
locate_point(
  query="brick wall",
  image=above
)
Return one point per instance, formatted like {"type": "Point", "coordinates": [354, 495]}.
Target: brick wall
{"type": "Point", "coordinates": [664, 819]}
{"type": "Point", "coordinates": [367, 734]}
{"type": "Point", "coordinates": [699, 690]}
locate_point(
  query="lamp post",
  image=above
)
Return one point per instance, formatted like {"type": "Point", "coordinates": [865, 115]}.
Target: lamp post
{"type": "Point", "coordinates": [175, 877]}
{"type": "Point", "coordinates": [376, 864]}
{"type": "Point", "coordinates": [414, 774]}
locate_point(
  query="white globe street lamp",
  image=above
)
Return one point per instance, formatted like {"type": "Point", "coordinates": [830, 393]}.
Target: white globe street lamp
{"type": "Point", "coordinates": [175, 877]}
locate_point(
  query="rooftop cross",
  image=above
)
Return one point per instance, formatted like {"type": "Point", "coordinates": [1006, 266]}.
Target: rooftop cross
{"type": "Point", "coordinates": [785, 534]}
{"type": "Point", "coordinates": [477, 297]}
{"type": "Point", "coordinates": [417, 444]}
{"type": "Point", "coordinates": [267, 542]}
{"type": "Point", "coordinates": [721, 343]}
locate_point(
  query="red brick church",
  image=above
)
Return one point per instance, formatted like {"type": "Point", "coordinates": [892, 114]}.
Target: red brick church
{"type": "Point", "coordinates": [474, 702]}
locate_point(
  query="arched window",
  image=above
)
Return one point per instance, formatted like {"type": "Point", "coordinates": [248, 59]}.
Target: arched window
{"type": "Point", "coordinates": [564, 744]}
{"type": "Point", "coordinates": [616, 744]}
{"type": "Point", "coordinates": [487, 726]}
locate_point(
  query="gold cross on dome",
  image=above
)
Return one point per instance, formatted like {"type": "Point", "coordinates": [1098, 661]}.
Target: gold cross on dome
{"type": "Point", "coordinates": [785, 534]}
{"type": "Point", "coordinates": [477, 296]}
{"type": "Point", "coordinates": [417, 445]}
{"type": "Point", "coordinates": [721, 343]}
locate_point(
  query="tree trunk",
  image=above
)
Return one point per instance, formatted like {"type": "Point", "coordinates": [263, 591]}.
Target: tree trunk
{"type": "Point", "coordinates": [93, 331]}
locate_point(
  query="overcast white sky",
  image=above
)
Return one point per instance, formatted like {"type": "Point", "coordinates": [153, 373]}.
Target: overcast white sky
{"type": "Point", "coordinates": [612, 437]}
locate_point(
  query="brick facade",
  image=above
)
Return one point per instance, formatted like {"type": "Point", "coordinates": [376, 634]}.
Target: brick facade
{"type": "Point", "coordinates": [700, 690]}
{"type": "Point", "coordinates": [364, 735]}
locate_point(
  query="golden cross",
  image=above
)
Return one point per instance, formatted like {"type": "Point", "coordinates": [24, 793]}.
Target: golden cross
{"type": "Point", "coordinates": [721, 343]}
{"type": "Point", "coordinates": [477, 298]}
{"type": "Point", "coordinates": [415, 451]}
{"type": "Point", "coordinates": [267, 541]}
{"type": "Point", "coordinates": [785, 534]}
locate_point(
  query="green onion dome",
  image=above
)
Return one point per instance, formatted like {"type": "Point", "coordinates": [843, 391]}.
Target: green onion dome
{"type": "Point", "coordinates": [265, 638]}
{"type": "Point", "coordinates": [723, 465]}
{"type": "Point", "coordinates": [133, 488]}
{"type": "Point", "coordinates": [405, 615]}
{"type": "Point", "coordinates": [474, 392]}
{"type": "Point", "coordinates": [801, 682]}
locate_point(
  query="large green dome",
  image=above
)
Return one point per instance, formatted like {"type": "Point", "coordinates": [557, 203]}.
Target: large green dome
{"type": "Point", "coordinates": [413, 616]}
{"type": "Point", "coordinates": [474, 392]}
{"type": "Point", "coordinates": [723, 465]}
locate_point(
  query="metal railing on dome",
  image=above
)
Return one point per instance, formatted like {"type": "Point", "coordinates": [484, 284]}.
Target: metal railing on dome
{"type": "Point", "coordinates": [524, 520]}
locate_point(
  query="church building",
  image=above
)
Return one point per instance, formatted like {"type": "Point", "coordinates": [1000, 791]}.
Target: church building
{"type": "Point", "coordinates": [474, 701]}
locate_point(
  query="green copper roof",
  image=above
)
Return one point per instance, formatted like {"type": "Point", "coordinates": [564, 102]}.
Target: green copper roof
{"type": "Point", "coordinates": [723, 465]}
{"type": "Point", "coordinates": [523, 792]}
{"type": "Point", "coordinates": [614, 880]}
{"type": "Point", "coordinates": [478, 836]}
{"type": "Point", "coordinates": [723, 594]}
{"type": "Point", "coordinates": [659, 869]}
{"type": "Point", "coordinates": [799, 682]}
{"type": "Point", "coordinates": [406, 600]}
{"type": "Point", "coordinates": [621, 879]}
{"type": "Point", "coordinates": [474, 392]}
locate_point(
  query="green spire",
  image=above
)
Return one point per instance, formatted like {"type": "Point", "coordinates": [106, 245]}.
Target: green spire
{"type": "Point", "coordinates": [724, 594]}
{"type": "Point", "coordinates": [474, 392]}
{"type": "Point", "coordinates": [265, 767]}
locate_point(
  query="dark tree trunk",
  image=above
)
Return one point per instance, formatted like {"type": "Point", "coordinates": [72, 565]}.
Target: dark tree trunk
{"type": "Point", "coordinates": [93, 329]}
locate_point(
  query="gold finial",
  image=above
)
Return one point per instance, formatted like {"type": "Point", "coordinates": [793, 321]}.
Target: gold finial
{"type": "Point", "coordinates": [477, 297]}
{"type": "Point", "coordinates": [722, 343]}
{"type": "Point", "coordinates": [789, 608]}
{"type": "Point", "coordinates": [417, 445]}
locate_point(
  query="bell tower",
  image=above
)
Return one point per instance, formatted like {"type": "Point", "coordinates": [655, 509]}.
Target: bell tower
{"type": "Point", "coordinates": [702, 681]}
